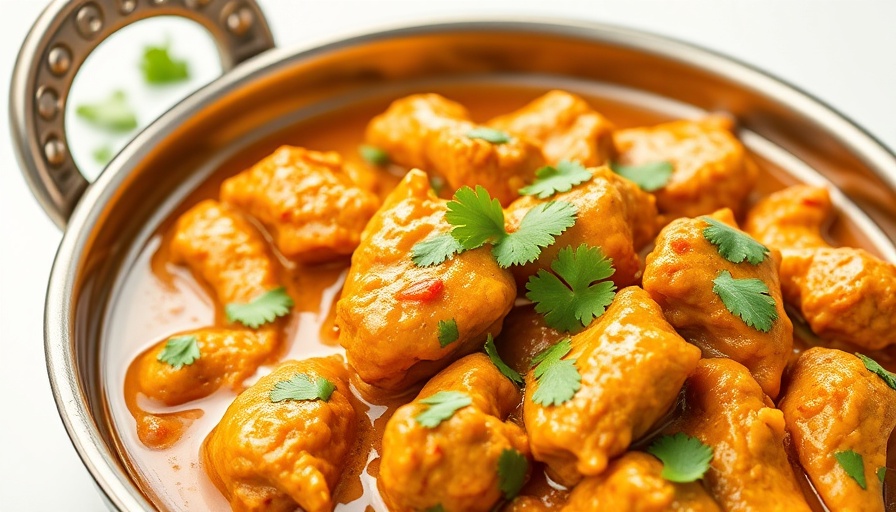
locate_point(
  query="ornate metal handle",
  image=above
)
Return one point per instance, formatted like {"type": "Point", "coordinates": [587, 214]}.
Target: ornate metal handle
{"type": "Point", "coordinates": [56, 47]}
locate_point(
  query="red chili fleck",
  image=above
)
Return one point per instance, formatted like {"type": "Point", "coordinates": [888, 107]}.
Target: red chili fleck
{"type": "Point", "coordinates": [423, 291]}
{"type": "Point", "coordinates": [811, 201]}
{"type": "Point", "coordinates": [680, 246]}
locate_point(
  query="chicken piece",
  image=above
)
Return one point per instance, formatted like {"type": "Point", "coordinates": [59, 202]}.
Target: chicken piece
{"type": "Point", "coordinates": [632, 483]}
{"type": "Point", "coordinates": [390, 309]}
{"type": "Point", "coordinates": [726, 409]}
{"type": "Point", "coordinates": [679, 275]}
{"type": "Point", "coordinates": [844, 294]}
{"type": "Point", "coordinates": [227, 357]}
{"type": "Point", "coordinates": [454, 464]}
{"type": "Point", "coordinates": [564, 126]}
{"type": "Point", "coordinates": [430, 132]}
{"type": "Point", "coordinates": [834, 404]}
{"type": "Point", "coordinates": [711, 167]}
{"type": "Point", "coordinates": [632, 364]}
{"type": "Point", "coordinates": [277, 456]}
{"type": "Point", "coordinates": [306, 200]}
{"type": "Point", "coordinates": [612, 213]}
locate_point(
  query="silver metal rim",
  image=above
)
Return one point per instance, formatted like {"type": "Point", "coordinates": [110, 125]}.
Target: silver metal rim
{"type": "Point", "coordinates": [120, 491]}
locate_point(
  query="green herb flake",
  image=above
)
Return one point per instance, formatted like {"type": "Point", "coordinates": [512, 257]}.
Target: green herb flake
{"type": "Point", "coordinates": [882, 474]}
{"type": "Point", "coordinates": [374, 155]}
{"type": "Point", "coordinates": [650, 177]}
{"type": "Point", "coordinates": [734, 245]}
{"type": "Point", "coordinates": [557, 379]}
{"type": "Point", "coordinates": [489, 135]}
{"type": "Point", "coordinates": [103, 154]}
{"type": "Point", "coordinates": [113, 114]}
{"type": "Point", "coordinates": [179, 351]}
{"type": "Point", "coordinates": [442, 406]}
{"type": "Point", "coordinates": [577, 292]}
{"type": "Point", "coordinates": [852, 463]}
{"type": "Point", "coordinates": [552, 180]}
{"type": "Point", "coordinates": [685, 458]}
{"type": "Point", "coordinates": [159, 67]}
{"type": "Point", "coordinates": [875, 367]}
{"type": "Point", "coordinates": [448, 332]}
{"type": "Point", "coordinates": [302, 388]}
{"type": "Point", "coordinates": [435, 250]}
{"type": "Point", "coordinates": [499, 363]}
{"type": "Point", "coordinates": [513, 467]}
{"type": "Point", "coordinates": [747, 298]}
{"type": "Point", "coordinates": [265, 308]}
{"type": "Point", "coordinates": [436, 508]}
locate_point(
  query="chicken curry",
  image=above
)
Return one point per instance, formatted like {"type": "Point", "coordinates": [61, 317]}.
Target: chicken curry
{"type": "Point", "coordinates": [536, 311]}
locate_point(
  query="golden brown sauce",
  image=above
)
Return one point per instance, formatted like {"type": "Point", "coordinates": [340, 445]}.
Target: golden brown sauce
{"type": "Point", "coordinates": [158, 299]}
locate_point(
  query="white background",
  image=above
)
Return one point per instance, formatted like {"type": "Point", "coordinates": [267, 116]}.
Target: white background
{"type": "Point", "coordinates": [841, 51]}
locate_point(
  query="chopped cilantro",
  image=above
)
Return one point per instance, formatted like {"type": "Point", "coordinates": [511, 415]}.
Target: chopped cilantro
{"type": "Point", "coordinates": [448, 333]}
{"type": "Point", "coordinates": [557, 379]}
{"type": "Point", "coordinates": [265, 308]}
{"type": "Point", "coordinates": [442, 406]}
{"type": "Point", "coordinates": [650, 177]}
{"type": "Point", "coordinates": [882, 474]}
{"type": "Point", "coordinates": [373, 155]}
{"type": "Point", "coordinates": [685, 458]}
{"type": "Point", "coordinates": [512, 469]}
{"type": "Point", "coordinates": [436, 508]}
{"type": "Point", "coordinates": [734, 245]}
{"type": "Point", "coordinates": [489, 135]}
{"type": "Point", "coordinates": [301, 387]}
{"type": "Point", "coordinates": [747, 298]}
{"type": "Point", "coordinates": [852, 463]}
{"type": "Point", "coordinates": [576, 293]}
{"type": "Point", "coordinates": [103, 154]}
{"type": "Point", "coordinates": [551, 180]}
{"type": "Point", "coordinates": [435, 250]}
{"type": "Point", "coordinates": [159, 67]}
{"type": "Point", "coordinates": [112, 114]}
{"type": "Point", "coordinates": [179, 351]}
{"type": "Point", "coordinates": [875, 367]}
{"type": "Point", "coordinates": [507, 371]}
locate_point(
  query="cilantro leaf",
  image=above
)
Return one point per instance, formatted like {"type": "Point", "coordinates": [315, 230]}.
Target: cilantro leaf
{"type": "Point", "coordinates": [436, 508]}
{"type": "Point", "coordinates": [435, 250]}
{"type": "Point", "coordinates": [159, 67]}
{"type": "Point", "coordinates": [852, 463]}
{"type": "Point", "coordinates": [103, 154]}
{"type": "Point", "coordinates": [265, 308]}
{"type": "Point", "coordinates": [443, 405]}
{"type": "Point", "coordinates": [476, 217]}
{"type": "Point", "coordinates": [373, 155]}
{"type": "Point", "coordinates": [489, 135]}
{"type": "Point", "coordinates": [576, 293]}
{"type": "Point", "coordinates": [747, 298]}
{"type": "Point", "coordinates": [301, 387]}
{"type": "Point", "coordinates": [882, 474]}
{"type": "Point", "coordinates": [734, 245]}
{"type": "Point", "coordinates": [507, 371]}
{"type": "Point", "coordinates": [685, 458]}
{"type": "Point", "coordinates": [179, 351]}
{"type": "Point", "coordinates": [537, 230]}
{"type": "Point", "coordinates": [875, 367]}
{"type": "Point", "coordinates": [448, 333]}
{"type": "Point", "coordinates": [558, 379]}
{"type": "Point", "coordinates": [551, 180]}
{"type": "Point", "coordinates": [113, 114]}
{"type": "Point", "coordinates": [650, 177]}
{"type": "Point", "coordinates": [512, 469]}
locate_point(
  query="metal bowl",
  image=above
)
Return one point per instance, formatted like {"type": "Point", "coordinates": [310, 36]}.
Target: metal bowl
{"type": "Point", "coordinates": [255, 99]}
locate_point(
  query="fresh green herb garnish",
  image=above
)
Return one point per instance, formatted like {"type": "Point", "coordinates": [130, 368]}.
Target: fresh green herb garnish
{"type": "Point", "coordinates": [734, 245]}
{"type": "Point", "coordinates": [551, 180]}
{"type": "Point", "coordinates": [436, 508]}
{"type": "Point", "coordinates": [507, 371]}
{"type": "Point", "coordinates": [685, 458]}
{"type": "Point", "coordinates": [102, 154]}
{"type": "Point", "coordinates": [512, 469]}
{"type": "Point", "coordinates": [650, 177]}
{"type": "Point", "coordinates": [265, 308]}
{"type": "Point", "coordinates": [159, 67]}
{"type": "Point", "coordinates": [301, 387]}
{"type": "Point", "coordinates": [448, 332]}
{"type": "Point", "coordinates": [435, 250]}
{"type": "Point", "coordinates": [852, 463]}
{"type": "Point", "coordinates": [373, 155]}
{"type": "Point", "coordinates": [747, 298]}
{"type": "Point", "coordinates": [557, 378]}
{"type": "Point", "coordinates": [442, 406]}
{"type": "Point", "coordinates": [875, 367]}
{"type": "Point", "coordinates": [489, 135]}
{"type": "Point", "coordinates": [576, 293]}
{"type": "Point", "coordinates": [113, 114]}
{"type": "Point", "coordinates": [882, 474]}
{"type": "Point", "coordinates": [436, 184]}
{"type": "Point", "coordinates": [179, 351]}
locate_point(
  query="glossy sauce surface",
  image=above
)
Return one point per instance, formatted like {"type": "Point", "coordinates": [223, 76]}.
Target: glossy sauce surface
{"type": "Point", "coordinates": [157, 299]}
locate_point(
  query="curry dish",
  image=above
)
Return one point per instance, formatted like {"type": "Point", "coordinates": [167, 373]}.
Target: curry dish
{"type": "Point", "coordinates": [537, 311]}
